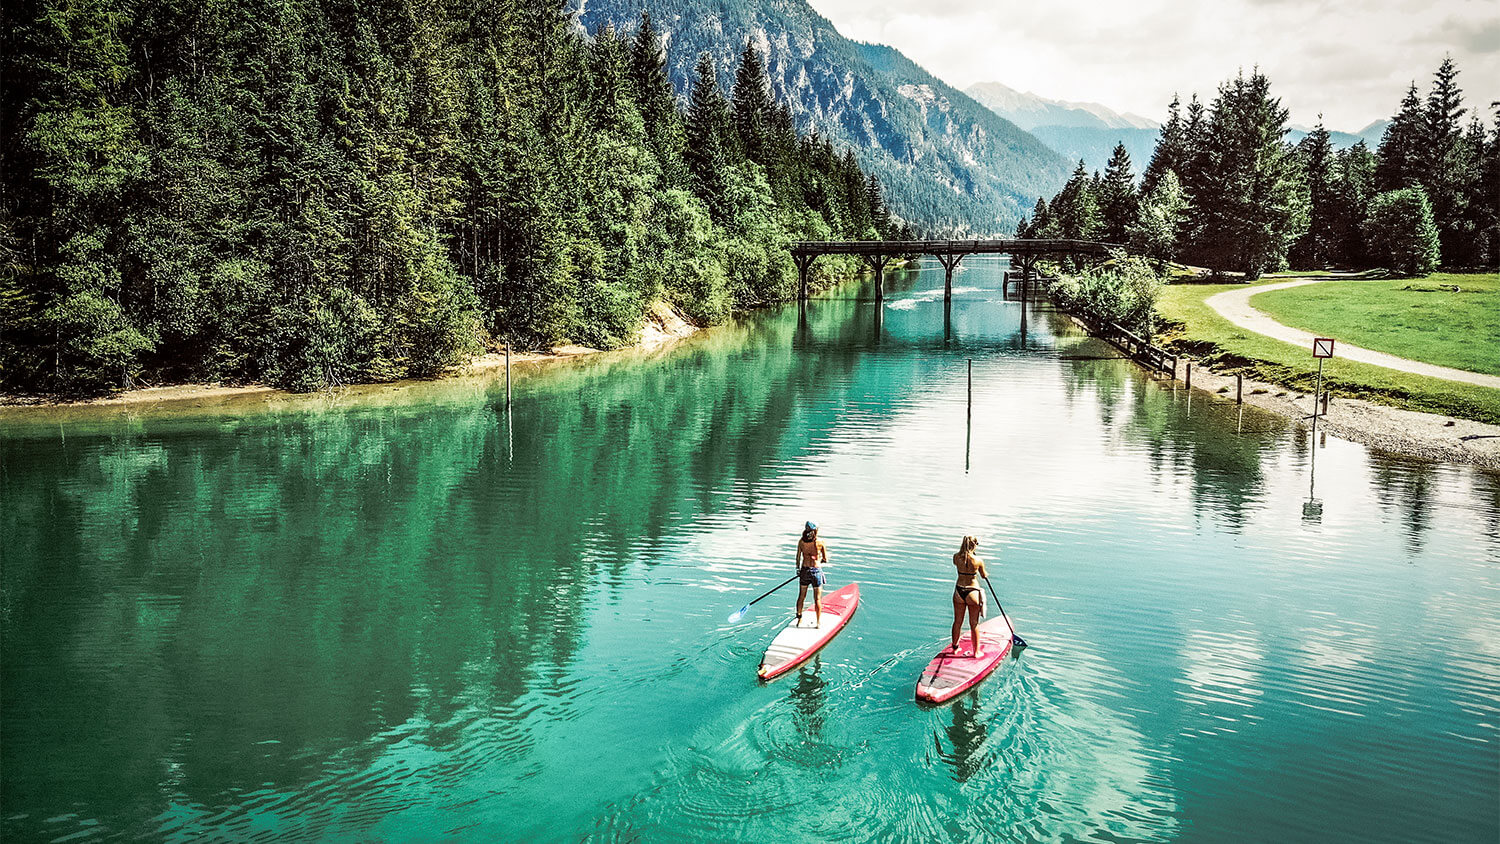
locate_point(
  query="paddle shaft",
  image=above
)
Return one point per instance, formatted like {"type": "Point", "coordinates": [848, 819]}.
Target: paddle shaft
{"type": "Point", "coordinates": [778, 586]}
{"type": "Point", "coordinates": [1013, 634]}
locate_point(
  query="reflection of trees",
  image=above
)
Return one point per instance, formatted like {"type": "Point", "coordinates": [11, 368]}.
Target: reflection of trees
{"type": "Point", "coordinates": [1223, 468]}
{"type": "Point", "coordinates": [215, 610]}
{"type": "Point", "coordinates": [1487, 491]}
{"type": "Point", "coordinates": [1407, 487]}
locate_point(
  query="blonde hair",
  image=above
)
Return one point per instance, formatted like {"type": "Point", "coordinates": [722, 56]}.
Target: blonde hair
{"type": "Point", "coordinates": [966, 549]}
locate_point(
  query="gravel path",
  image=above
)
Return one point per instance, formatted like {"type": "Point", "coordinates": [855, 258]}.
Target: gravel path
{"type": "Point", "coordinates": [1234, 305]}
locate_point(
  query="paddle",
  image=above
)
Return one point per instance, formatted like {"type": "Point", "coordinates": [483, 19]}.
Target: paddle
{"type": "Point", "coordinates": [1014, 636]}
{"type": "Point", "coordinates": [746, 608]}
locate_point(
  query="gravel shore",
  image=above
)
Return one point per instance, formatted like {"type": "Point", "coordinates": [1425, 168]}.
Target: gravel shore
{"type": "Point", "coordinates": [1426, 436]}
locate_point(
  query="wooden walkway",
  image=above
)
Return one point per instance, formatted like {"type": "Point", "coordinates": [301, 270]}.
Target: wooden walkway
{"type": "Point", "coordinates": [877, 253]}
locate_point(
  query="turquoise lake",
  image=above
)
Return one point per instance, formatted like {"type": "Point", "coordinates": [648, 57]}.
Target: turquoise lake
{"type": "Point", "coordinates": [410, 614]}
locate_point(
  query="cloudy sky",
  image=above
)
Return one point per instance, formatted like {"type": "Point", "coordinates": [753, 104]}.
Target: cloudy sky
{"type": "Point", "coordinates": [1349, 59]}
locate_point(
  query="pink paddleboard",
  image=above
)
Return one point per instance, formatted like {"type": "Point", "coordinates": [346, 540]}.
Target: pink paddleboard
{"type": "Point", "coordinates": [796, 642]}
{"type": "Point", "coordinates": [951, 673]}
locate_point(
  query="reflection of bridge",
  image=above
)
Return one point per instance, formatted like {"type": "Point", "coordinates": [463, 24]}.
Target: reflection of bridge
{"type": "Point", "coordinates": [876, 253]}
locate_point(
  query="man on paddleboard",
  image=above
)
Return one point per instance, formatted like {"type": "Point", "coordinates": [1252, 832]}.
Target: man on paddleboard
{"type": "Point", "coordinates": [812, 554]}
{"type": "Point", "coordinates": [967, 597]}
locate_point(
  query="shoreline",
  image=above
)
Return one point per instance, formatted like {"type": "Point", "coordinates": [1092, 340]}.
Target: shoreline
{"type": "Point", "coordinates": [1407, 433]}
{"type": "Point", "coordinates": [1393, 430]}
{"type": "Point", "coordinates": [664, 326]}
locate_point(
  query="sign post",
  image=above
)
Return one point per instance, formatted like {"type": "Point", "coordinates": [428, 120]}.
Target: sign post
{"type": "Point", "coordinates": [1322, 350]}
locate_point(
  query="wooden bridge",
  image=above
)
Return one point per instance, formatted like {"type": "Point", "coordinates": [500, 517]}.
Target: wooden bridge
{"type": "Point", "coordinates": [877, 253]}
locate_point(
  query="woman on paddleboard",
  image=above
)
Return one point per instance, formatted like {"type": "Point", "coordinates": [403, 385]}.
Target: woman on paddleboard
{"type": "Point", "coordinates": [812, 554]}
{"type": "Point", "coordinates": [967, 596]}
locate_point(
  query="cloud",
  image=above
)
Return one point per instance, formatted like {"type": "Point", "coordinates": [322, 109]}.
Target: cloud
{"type": "Point", "coordinates": [1350, 61]}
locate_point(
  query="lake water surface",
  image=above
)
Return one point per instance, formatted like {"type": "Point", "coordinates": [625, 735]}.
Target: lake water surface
{"type": "Point", "coordinates": [425, 618]}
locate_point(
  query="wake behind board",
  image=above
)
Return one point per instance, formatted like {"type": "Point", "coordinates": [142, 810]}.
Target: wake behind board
{"type": "Point", "coordinates": [951, 673]}
{"type": "Point", "coordinates": [795, 643]}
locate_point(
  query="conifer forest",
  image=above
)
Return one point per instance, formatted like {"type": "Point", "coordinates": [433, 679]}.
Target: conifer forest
{"type": "Point", "coordinates": [1224, 190]}
{"type": "Point", "coordinates": [309, 193]}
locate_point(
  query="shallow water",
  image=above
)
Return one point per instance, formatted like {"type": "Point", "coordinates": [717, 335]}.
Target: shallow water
{"type": "Point", "coordinates": [427, 617]}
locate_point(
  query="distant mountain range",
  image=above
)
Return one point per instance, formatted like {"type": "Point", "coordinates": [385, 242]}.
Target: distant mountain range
{"type": "Point", "coordinates": [952, 162]}
{"type": "Point", "coordinates": [1090, 131]}
{"type": "Point", "coordinates": [1029, 111]}
{"type": "Point", "coordinates": [1370, 135]}
{"type": "Point", "coordinates": [949, 165]}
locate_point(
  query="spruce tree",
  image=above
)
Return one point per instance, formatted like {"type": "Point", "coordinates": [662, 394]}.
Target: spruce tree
{"type": "Point", "coordinates": [1397, 156]}
{"type": "Point", "coordinates": [1353, 186]}
{"type": "Point", "coordinates": [1117, 200]}
{"type": "Point", "coordinates": [751, 105]}
{"type": "Point", "coordinates": [1169, 152]}
{"type": "Point", "coordinates": [1443, 170]}
{"type": "Point", "coordinates": [1160, 220]}
{"type": "Point", "coordinates": [656, 101]}
{"type": "Point", "coordinates": [306, 198]}
{"type": "Point", "coordinates": [880, 215]}
{"type": "Point", "coordinates": [707, 117]}
{"type": "Point", "coordinates": [1042, 225]}
{"type": "Point", "coordinates": [1319, 245]}
{"type": "Point", "coordinates": [1251, 204]}
{"type": "Point", "coordinates": [1075, 209]}
{"type": "Point", "coordinates": [1489, 190]}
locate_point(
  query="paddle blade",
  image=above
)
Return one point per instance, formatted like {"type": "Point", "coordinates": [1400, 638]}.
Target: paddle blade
{"type": "Point", "coordinates": [738, 614]}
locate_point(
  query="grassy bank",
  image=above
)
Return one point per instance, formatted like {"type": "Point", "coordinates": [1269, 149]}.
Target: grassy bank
{"type": "Point", "coordinates": [1450, 319]}
{"type": "Point", "coordinates": [1190, 326]}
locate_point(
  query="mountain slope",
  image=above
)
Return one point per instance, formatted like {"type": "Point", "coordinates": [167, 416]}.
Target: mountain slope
{"type": "Point", "coordinates": [948, 164]}
{"type": "Point", "coordinates": [1095, 146]}
{"type": "Point", "coordinates": [1028, 111]}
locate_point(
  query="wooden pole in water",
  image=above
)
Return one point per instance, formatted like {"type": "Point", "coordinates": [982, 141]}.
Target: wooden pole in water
{"type": "Point", "coordinates": [969, 417]}
{"type": "Point", "coordinates": [1189, 375]}
{"type": "Point", "coordinates": [507, 374]}
{"type": "Point", "coordinates": [1239, 388]}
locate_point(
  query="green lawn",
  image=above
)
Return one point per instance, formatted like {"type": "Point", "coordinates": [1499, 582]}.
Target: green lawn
{"type": "Point", "coordinates": [1422, 319]}
{"type": "Point", "coordinates": [1193, 328]}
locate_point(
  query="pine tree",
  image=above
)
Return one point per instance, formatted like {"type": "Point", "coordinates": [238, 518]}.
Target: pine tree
{"type": "Point", "coordinates": [1170, 150]}
{"type": "Point", "coordinates": [880, 216]}
{"type": "Point", "coordinates": [1117, 200]}
{"type": "Point", "coordinates": [1397, 156]}
{"type": "Point", "coordinates": [1162, 215]}
{"type": "Point", "coordinates": [1042, 225]}
{"type": "Point", "coordinates": [656, 101]}
{"type": "Point", "coordinates": [1075, 209]}
{"type": "Point", "coordinates": [751, 105]}
{"type": "Point", "coordinates": [1319, 245]}
{"type": "Point", "coordinates": [1442, 169]}
{"type": "Point", "coordinates": [707, 117]}
{"type": "Point", "coordinates": [1489, 190]}
{"type": "Point", "coordinates": [1353, 186]}
{"type": "Point", "coordinates": [1251, 204]}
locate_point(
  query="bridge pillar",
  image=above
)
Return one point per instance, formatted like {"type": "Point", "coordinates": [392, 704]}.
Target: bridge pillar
{"type": "Point", "coordinates": [804, 264]}
{"type": "Point", "coordinates": [949, 262]}
{"type": "Point", "coordinates": [877, 263]}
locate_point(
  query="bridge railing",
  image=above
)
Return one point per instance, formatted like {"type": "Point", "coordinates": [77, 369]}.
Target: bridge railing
{"type": "Point", "coordinates": [1022, 246]}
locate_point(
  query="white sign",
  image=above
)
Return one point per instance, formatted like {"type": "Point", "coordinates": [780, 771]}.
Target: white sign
{"type": "Point", "coordinates": [1323, 347]}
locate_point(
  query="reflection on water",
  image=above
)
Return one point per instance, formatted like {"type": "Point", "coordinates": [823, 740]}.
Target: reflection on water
{"type": "Point", "coordinates": [966, 735]}
{"type": "Point", "coordinates": [421, 614]}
